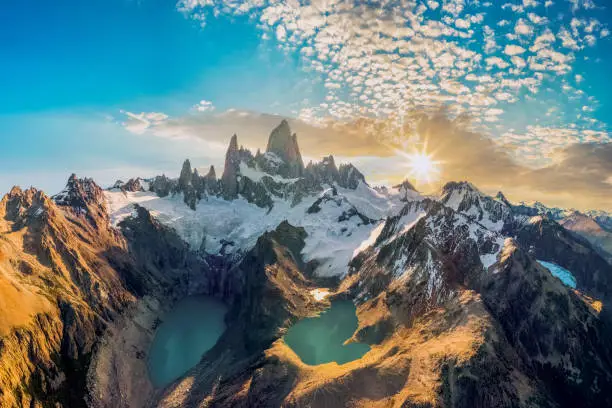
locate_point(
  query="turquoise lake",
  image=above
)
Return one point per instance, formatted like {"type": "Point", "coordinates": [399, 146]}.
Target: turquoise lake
{"type": "Point", "coordinates": [320, 340]}
{"type": "Point", "coordinates": [563, 274]}
{"type": "Point", "coordinates": [188, 331]}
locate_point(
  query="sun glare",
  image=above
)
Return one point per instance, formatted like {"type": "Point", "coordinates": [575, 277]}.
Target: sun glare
{"type": "Point", "coordinates": [423, 168]}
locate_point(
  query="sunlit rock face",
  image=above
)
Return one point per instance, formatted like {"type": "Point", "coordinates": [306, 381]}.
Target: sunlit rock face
{"type": "Point", "coordinates": [445, 292]}
{"type": "Point", "coordinates": [467, 199]}
{"type": "Point", "coordinates": [283, 144]}
{"type": "Point", "coordinates": [231, 169]}
{"type": "Point", "coordinates": [50, 253]}
{"type": "Point", "coordinates": [593, 229]}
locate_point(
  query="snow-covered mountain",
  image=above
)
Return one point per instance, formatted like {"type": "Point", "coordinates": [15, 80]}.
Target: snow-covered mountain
{"type": "Point", "coordinates": [335, 205]}
{"type": "Point", "coordinates": [465, 299]}
{"type": "Point", "coordinates": [464, 197]}
{"type": "Point", "coordinates": [339, 211]}
{"type": "Point", "coordinates": [594, 225]}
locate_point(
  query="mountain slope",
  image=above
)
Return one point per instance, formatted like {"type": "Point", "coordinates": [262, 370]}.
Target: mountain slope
{"type": "Point", "coordinates": [66, 275]}
{"type": "Point", "coordinates": [591, 230]}
{"type": "Point", "coordinates": [56, 256]}
{"type": "Point", "coordinates": [446, 328]}
{"type": "Point", "coordinates": [450, 295]}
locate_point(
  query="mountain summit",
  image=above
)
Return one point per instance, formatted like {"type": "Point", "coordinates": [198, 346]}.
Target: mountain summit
{"type": "Point", "coordinates": [283, 144]}
{"type": "Point", "coordinates": [463, 299]}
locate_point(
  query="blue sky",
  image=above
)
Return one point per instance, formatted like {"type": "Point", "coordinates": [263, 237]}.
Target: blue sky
{"type": "Point", "coordinates": [70, 65]}
{"type": "Point", "coordinates": [81, 80]}
{"type": "Point", "coordinates": [77, 55]}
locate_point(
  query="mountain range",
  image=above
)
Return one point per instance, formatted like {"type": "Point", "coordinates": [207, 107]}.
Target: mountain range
{"type": "Point", "coordinates": [452, 290]}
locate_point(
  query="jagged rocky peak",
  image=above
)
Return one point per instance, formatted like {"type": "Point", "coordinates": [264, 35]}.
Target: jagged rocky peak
{"type": "Point", "coordinates": [460, 195]}
{"type": "Point", "coordinates": [80, 194]}
{"type": "Point", "coordinates": [161, 185]}
{"type": "Point", "coordinates": [231, 169]}
{"type": "Point", "coordinates": [211, 184]}
{"type": "Point", "coordinates": [405, 186]}
{"type": "Point", "coordinates": [452, 186]}
{"type": "Point", "coordinates": [463, 196]}
{"type": "Point", "coordinates": [133, 185]}
{"type": "Point", "coordinates": [406, 189]}
{"type": "Point", "coordinates": [350, 177]}
{"type": "Point", "coordinates": [325, 171]}
{"type": "Point", "coordinates": [284, 145]}
{"type": "Point", "coordinates": [501, 197]}
{"type": "Point", "coordinates": [118, 185]}
{"type": "Point", "coordinates": [19, 205]}
{"type": "Point", "coordinates": [212, 174]}
{"type": "Point", "coordinates": [189, 185]}
{"type": "Point", "coordinates": [186, 176]}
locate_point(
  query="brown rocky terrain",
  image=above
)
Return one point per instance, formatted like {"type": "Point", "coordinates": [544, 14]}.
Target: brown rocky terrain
{"type": "Point", "coordinates": [513, 338]}
{"type": "Point", "coordinates": [59, 291]}
{"type": "Point", "coordinates": [588, 228]}
{"type": "Point", "coordinates": [449, 296]}
{"type": "Point", "coordinates": [66, 276]}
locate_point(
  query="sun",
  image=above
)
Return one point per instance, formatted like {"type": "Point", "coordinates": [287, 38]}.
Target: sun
{"type": "Point", "coordinates": [422, 167]}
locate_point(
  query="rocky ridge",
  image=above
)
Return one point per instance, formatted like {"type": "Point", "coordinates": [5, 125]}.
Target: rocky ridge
{"type": "Point", "coordinates": [260, 178]}
{"type": "Point", "coordinates": [450, 296]}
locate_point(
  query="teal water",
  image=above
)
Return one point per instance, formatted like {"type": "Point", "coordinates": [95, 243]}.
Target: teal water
{"type": "Point", "coordinates": [320, 340]}
{"type": "Point", "coordinates": [188, 331]}
{"type": "Point", "coordinates": [563, 274]}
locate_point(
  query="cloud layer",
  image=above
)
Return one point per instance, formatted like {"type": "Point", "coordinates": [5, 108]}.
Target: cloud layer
{"type": "Point", "coordinates": [446, 76]}
{"type": "Point", "coordinates": [580, 175]}
{"type": "Point", "coordinates": [386, 58]}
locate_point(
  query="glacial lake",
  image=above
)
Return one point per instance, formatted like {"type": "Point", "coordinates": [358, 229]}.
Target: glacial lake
{"type": "Point", "coordinates": [188, 331]}
{"type": "Point", "coordinates": [563, 274]}
{"type": "Point", "coordinates": [320, 340]}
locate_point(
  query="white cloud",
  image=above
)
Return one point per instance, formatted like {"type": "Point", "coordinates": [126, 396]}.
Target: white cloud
{"type": "Point", "coordinates": [522, 28]}
{"type": "Point", "coordinates": [139, 123]}
{"type": "Point", "coordinates": [512, 49]}
{"type": "Point", "coordinates": [204, 106]}
{"type": "Point", "coordinates": [387, 59]}
{"type": "Point", "coordinates": [496, 62]}
{"type": "Point", "coordinates": [463, 23]}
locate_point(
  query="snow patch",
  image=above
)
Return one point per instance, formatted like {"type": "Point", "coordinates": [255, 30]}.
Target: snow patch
{"type": "Point", "coordinates": [234, 226]}
{"type": "Point", "coordinates": [489, 260]}
{"type": "Point", "coordinates": [455, 199]}
{"type": "Point", "coordinates": [434, 276]}
{"type": "Point", "coordinates": [408, 221]}
{"type": "Point", "coordinates": [257, 175]}
{"type": "Point", "coordinates": [330, 242]}
{"type": "Point", "coordinates": [374, 204]}
{"type": "Point", "coordinates": [371, 239]}
{"type": "Point", "coordinates": [319, 294]}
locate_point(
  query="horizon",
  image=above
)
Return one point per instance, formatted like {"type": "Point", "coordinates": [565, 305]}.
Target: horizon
{"type": "Point", "coordinates": [436, 191]}
{"type": "Point", "coordinates": [505, 95]}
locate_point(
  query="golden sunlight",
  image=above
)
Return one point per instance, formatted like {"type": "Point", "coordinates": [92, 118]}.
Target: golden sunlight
{"type": "Point", "coordinates": [423, 169]}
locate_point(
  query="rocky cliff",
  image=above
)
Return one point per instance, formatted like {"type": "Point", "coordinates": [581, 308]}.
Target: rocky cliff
{"type": "Point", "coordinates": [65, 277]}
{"type": "Point", "coordinates": [61, 289]}
{"type": "Point", "coordinates": [283, 144]}
{"type": "Point", "coordinates": [260, 178]}
{"type": "Point", "coordinates": [450, 295]}
{"type": "Point", "coordinates": [448, 327]}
